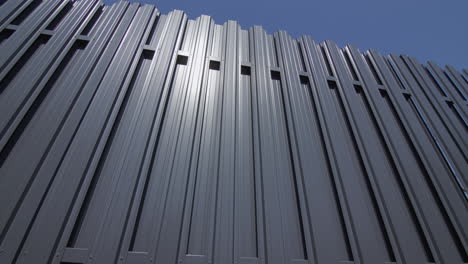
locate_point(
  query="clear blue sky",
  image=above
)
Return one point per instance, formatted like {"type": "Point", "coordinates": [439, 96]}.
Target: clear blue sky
{"type": "Point", "coordinates": [426, 29]}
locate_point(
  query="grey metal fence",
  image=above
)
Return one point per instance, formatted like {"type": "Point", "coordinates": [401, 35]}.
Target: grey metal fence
{"type": "Point", "coordinates": [130, 136]}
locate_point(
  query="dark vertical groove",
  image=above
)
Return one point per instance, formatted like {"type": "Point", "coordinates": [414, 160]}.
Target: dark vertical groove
{"type": "Point", "coordinates": [18, 132]}
{"type": "Point", "coordinates": [24, 122]}
{"type": "Point", "coordinates": [28, 230]}
{"type": "Point", "coordinates": [301, 56]}
{"type": "Point", "coordinates": [294, 174]}
{"type": "Point", "coordinates": [60, 16]}
{"type": "Point", "coordinates": [447, 220]}
{"type": "Point", "coordinates": [373, 69]}
{"type": "Point", "coordinates": [455, 111]}
{"type": "Point", "coordinates": [436, 84]}
{"type": "Point", "coordinates": [366, 177]}
{"type": "Point", "coordinates": [332, 86]}
{"type": "Point", "coordinates": [153, 157]}
{"type": "Point", "coordinates": [152, 30]}
{"type": "Point", "coordinates": [351, 68]}
{"type": "Point", "coordinates": [374, 199]}
{"type": "Point", "coordinates": [38, 43]}
{"type": "Point", "coordinates": [465, 76]}
{"type": "Point", "coordinates": [102, 159]}
{"type": "Point", "coordinates": [26, 12]}
{"type": "Point", "coordinates": [97, 15]}
{"type": "Point", "coordinates": [144, 56]}
{"type": "Point", "coordinates": [394, 70]}
{"type": "Point", "coordinates": [69, 150]}
{"type": "Point", "coordinates": [460, 93]}
{"type": "Point", "coordinates": [248, 73]}
{"type": "Point", "coordinates": [429, 255]}
{"type": "Point", "coordinates": [328, 66]}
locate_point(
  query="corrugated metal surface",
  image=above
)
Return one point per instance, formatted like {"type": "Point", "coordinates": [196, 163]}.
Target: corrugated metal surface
{"type": "Point", "coordinates": [129, 136]}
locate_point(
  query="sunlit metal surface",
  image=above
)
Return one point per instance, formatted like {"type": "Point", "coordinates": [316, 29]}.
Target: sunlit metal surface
{"type": "Point", "coordinates": [130, 136]}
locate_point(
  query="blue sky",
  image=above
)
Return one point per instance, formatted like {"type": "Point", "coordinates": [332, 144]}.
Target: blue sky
{"type": "Point", "coordinates": [434, 30]}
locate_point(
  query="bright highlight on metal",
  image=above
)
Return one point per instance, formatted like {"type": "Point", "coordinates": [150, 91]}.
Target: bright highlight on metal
{"type": "Point", "coordinates": [133, 137]}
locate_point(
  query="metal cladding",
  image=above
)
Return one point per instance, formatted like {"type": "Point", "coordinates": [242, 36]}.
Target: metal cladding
{"type": "Point", "coordinates": [129, 136]}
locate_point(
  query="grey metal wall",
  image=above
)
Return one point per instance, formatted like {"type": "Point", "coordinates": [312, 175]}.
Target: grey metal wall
{"type": "Point", "coordinates": [129, 136]}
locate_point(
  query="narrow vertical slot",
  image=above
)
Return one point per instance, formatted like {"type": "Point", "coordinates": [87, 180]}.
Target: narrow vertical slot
{"type": "Point", "coordinates": [417, 225]}
{"type": "Point", "coordinates": [30, 52]}
{"type": "Point", "coordinates": [77, 227]}
{"type": "Point", "coordinates": [326, 61]}
{"type": "Point", "coordinates": [276, 57]}
{"type": "Point", "coordinates": [72, 240]}
{"type": "Point", "coordinates": [359, 90]}
{"type": "Point", "coordinates": [152, 30]}
{"type": "Point", "coordinates": [198, 233]}
{"type": "Point", "coordinates": [298, 207]}
{"type": "Point", "coordinates": [352, 71]}
{"type": "Point", "coordinates": [246, 202]}
{"type": "Point", "coordinates": [413, 72]}
{"type": "Point", "coordinates": [76, 236]}
{"type": "Point", "coordinates": [455, 111]}
{"type": "Point", "coordinates": [90, 26]}
{"type": "Point", "coordinates": [393, 70]}
{"type": "Point", "coordinates": [301, 252]}
{"type": "Point", "coordinates": [373, 69]}
{"type": "Point", "coordinates": [138, 228]}
{"type": "Point", "coordinates": [60, 16]}
{"type": "Point", "coordinates": [349, 252]}
{"type": "Point", "coordinates": [26, 12]}
{"type": "Point", "coordinates": [460, 93]}
{"type": "Point", "coordinates": [365, 174]}
{"type": "Point", "coordinates": [410, 209]}
{"type": "Point", "coordinates": [185, 35]}
{"type": "Point", "coordinates": [73, 52]}
{"type": "Point", "coordinates": [301, 56]}
{"type": "Point", "coordinates": [436, 143]}
{"type": "Point", "coordinates": [431, 184]}
{"type": "Point", "coordinates": [434, 81]}
{"type": "Point", "coordinates": [465, 76]}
